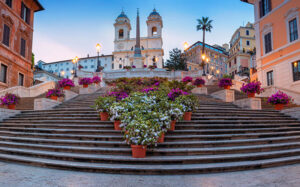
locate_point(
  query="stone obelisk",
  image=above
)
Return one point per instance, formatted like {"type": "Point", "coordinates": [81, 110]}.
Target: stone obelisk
{"type": "Point", "coordinates": [138, 59]}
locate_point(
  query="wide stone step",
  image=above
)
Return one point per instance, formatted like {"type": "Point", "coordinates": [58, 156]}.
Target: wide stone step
{"type": "Point", "coordinates": [186, 126]}
{"type": "Point", "coordinates": [58, 126]}
{"type": "Point", "coordinates": [151, 151]}
{"type": "Point", "coordinates": [152, 169]}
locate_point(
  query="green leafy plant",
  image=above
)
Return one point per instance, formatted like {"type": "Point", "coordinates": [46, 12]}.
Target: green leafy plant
{"type": "Point", "coordinates": [102, 104]}
{"type": "Point", "coordinates": [188, 102]}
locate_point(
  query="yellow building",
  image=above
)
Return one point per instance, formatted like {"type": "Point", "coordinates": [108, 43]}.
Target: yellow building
{"type": "Point", "coordinates": [216, 57]}
{"type": "Point", "coordinates": [242, 44]}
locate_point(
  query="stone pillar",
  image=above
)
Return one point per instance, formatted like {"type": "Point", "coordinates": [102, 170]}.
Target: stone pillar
{"type": "Point", "coordinates": [69, 95]}
{"type": "Point", "coordinates": [249, 103]}
{"type": "Point", "coordinates": [224, 95]}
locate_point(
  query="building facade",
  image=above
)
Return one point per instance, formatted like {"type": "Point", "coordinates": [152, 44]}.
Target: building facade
{"type": "Point", "coordinates": [242, 45]}
{"type": "Point", "coordinates": [151, 46]}
{"type": "Point", "coordinates": [65, 68]}
{"type": "Point", "coordinates": [217, 57]}
{"type": "Point", "coordinates": [16, 33]}
{"type": "Point", "coordinates": [278, 45]}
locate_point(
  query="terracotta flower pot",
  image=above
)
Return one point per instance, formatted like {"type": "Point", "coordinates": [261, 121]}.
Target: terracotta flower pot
{"type": "Point", "coordinates": [53, 97]}
{"type": "Point", "coordinates": [200, 86]}
{"type": "Point", "coordinates": [67, 87]}
{"type": "Point", "coordinates": [138, 151]}
{"type": "Point", "coordinates": [251, 95]}
{"type": "Point", "coordinates": [117, 125]}
{"type": "Point", "coordinates": [279, 106]}
{"type": "Point", "coordinates": [85, 85]}
{"type": "Point", "coordinates": [104, 116]}
{"type": "Point", "coordinates": [11, 107]}
{"type": "Point", "coordinates": [161, 139]}
{"type": "Point", "coordinates": [172, 128]}
{"type": "Point", "coordinates": [187, 116]}
{"type": "Point", "coordinates": [226, 87]}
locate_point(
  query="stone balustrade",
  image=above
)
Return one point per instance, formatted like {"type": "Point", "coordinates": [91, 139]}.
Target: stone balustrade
{"type": "Point", "coordinates": [224, 95]}
{"type": "Point", "coordinates": [249, 103]}
{"type": "Point", "coordinates": [201, 90]}
{"type": "Point", "coordinates": [45, 104]}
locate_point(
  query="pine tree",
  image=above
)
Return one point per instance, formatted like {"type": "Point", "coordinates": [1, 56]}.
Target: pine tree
{"type": "Point", "coordinates": [176, 61]}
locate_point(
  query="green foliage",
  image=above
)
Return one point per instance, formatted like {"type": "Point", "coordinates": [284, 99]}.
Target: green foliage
{"type": "Point", "coordinates": [176, 61]}
{"type": "Point", "coordinates": [188, 102]}
{"type": "Point", "coordinates": [204, 24]}
{"type": "Point", "coordinates": [181, 85]}
{"type": "Point", "coordinates": [227, 76]}
{"type": "Point", "coordinates": [102, 104]}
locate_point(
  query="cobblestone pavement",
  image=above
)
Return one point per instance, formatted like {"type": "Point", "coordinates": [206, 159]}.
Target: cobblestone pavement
{"type": "Point", "coordinates": [14, 175]}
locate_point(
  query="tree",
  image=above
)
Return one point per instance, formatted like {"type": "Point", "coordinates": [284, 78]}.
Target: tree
{"type": "Point", "coordinates": [176, 61]}
{"type": "Point", "coordinates": [205, 25]}
{"type": "Point", "coordinates": [32, 61]}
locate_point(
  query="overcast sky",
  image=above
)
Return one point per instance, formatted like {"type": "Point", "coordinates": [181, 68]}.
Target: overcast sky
{"type": "Point", "coordinates": [69, 28]}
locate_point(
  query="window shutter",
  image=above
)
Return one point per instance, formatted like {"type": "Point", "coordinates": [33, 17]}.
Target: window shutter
{"type": "Point", "coordinates": [6, 35]}
{"type": "Point", "coordinates": [28, 13]}
{"type": "Point", "coordinates": [23, 47]}
{"type": "Point", "coordinates": [22, 10]}
{"type": "Point", "coordinates": [261, 9]}
{"type": "Point", "coordinates": [270, 5]}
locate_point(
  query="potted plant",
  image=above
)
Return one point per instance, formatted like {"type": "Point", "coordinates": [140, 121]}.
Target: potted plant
{"type": "Point", "coordinates": [127, 68]}
{"type": "Point", "coordinates": [102, 105]}
{"type": "Point", "coordinates": [66, 84]}
{"type": "Point", "coordinates": [279, 99]}
{"type": "Point", "coordinates": [139, 134]}
{"type": "Point", "coordinates": [116, 110]}
{"type": "Point", "coordinates": [96, 80]}
{"type": "Point", "coordinates": [187, 80]}
{"type": "Point", "coordinates": [54, 93]}
{"type": "Point", "coordinates": [10, 100]}
{"type": "Point", "coordinates": [188, 103]}
{"type": "Point", "coordinates": [225, 83]}
{"type": "Point", "coordinates": [252, 88]}
{"type": "Point", "coordinates": [133, 66]}
{"type": "Point", "coordinates": [174, 93]}
{"type": "Point", "coordinates": [152, 67]}
{"type": "Point", "coordinates": [85, 82]}
{"type": "Point", "coordinates": [175, 111]}
{"type": "Point", "coordinates": [145, 66]}
{"type": "Point", "coordinates": [80, 67]}
{"type": "Point", "coordinates": [199, 82]}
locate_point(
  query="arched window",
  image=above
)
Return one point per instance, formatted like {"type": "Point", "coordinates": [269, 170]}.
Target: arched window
{"type": "Point", "coordinates": [121, 33]}
{"type": "Point", "coordinates": [154, 31]}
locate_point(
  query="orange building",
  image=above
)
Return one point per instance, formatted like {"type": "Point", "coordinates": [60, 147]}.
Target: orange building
{"type": "Point", "coordinates": [277, 45]}
{"type": "Point", "coordinates": [16, 32]}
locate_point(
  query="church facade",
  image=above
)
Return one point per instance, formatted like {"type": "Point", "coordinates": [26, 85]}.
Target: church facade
{"type": "Point", "coordinates": [151, 46]}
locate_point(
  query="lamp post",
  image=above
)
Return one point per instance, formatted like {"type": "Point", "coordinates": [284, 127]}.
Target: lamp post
{"type": "Point", "coordinates": [98, 48]}
{"type": "Point", "coordinates": [62, 73]}
{"type": "Point", "coordinates": [185, 45]}
{"type": "Point", "coordinates": [75, 60]}
{"type": "Point", "coordinates": [203, 57]}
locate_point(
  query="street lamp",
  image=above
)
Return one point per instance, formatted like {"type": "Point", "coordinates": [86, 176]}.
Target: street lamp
{"type": "Point", "coordinates": [62, 73]}
{"type": "Point", "coordinates": [75, 60]}
{"type": "Point", "coordinates": [98, 48]}
{"type": "Point", "coordinates": [185, 45]}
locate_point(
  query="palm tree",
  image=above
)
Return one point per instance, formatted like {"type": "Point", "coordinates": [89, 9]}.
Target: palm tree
{"type": "Point", "coordinates": [204, 24]}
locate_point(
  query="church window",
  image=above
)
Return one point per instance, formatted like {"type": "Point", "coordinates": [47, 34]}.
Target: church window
{"type": "Point", "coordinates": [121, 33]}
{"type": "Point", "coordinates": [154, 31]}
{"type": "Point", "coordinates": [143, 48]}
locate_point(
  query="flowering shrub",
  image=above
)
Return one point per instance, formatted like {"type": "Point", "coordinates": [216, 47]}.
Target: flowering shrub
{"type": "Point", "coordinates": [152, 67]}
{"type": "Point", "coordinates": [187, 79]}
{"type": "Point", "coordinates": [9, 99]}
{"type": "Point", "coordinates": [133, 66]}
{"type": "Point", "coordinates": [102, 104]}
{"type": "Point", "coordinates": [225, 82]}
{"type": "Point", "coordinates": [252, 87]}
{"type": "Point", "coordinates": [118, 95]}
{"type": "Point", "coordinates": [96, 79]}
{"type": "Point", "coordinates": [127, 67]}
{"type": "Point", "coordinates": [279, 98]}
{"type": "Point", "coordinates": [174, 93]}
{"type": "Point", "coordinates": [85, 81]}
{"type": "Point", "coordinates": [147, 90]}
{"type": "Point", "coordinates": [199, 81]}
{"type": "Point", "coordinates": [179, 84]}
{"type": "Point", "coordinates": [145, 66]}
{"type": "Point", "coordinates": [188, 102]}
{"type": "Point", "coordinates": [66, 82]}
{"type": "Point", "coordinates": [55, 92]}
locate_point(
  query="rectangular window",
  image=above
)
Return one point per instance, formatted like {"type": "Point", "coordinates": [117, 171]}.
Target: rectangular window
{"type": "Point", "coordinates": [293, 30]}
{"type": "Point", "coordinates": [25, 13]}
{"type": "Point", "coordinates": [247, 32]}
{"type": "Point", "coordinates": [270, 78]}
{"type": "Point", "coordinates": [6, 35]}
{"type": "Point", "coordinates": [265, 6]}
{"type": "Point", "coordinates": [23, 47]}
{"type": "Point", "coordinates": [3, 73]}
{"type": "Point", "coordinates": [112, 66]}
{"type": "Point", "coordinates": [268, 43]}
{"type": "Point", "coordinates": [296, 70]}
{"type": "Point", "coordinates": [120, 66]}
{"type": "Point", "coordinates": [248, 42]}
{"type": "Point", "coordinates": [21, 79]}
{"type": "Point", "coordinates": [9, 3]}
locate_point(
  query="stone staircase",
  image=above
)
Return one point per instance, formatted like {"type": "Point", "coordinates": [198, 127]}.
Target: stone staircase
{"type": "Point", "coordinates": [220, 137]}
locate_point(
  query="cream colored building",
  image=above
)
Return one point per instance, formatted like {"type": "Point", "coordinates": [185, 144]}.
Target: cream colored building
{"type": "Point", "coordinates": [151, 46]}
{"type": "Point", "coordinates": [241, 43]}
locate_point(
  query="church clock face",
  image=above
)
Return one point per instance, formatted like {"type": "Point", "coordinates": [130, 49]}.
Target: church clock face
{"type": "Point", "coordinates": [120, 46]}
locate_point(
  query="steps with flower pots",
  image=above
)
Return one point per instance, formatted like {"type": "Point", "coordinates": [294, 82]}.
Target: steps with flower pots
{"type": "Point", "coordinates": [221, 137]}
